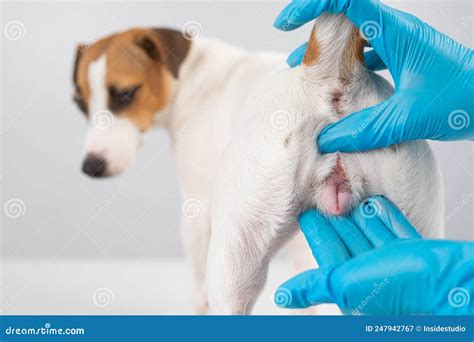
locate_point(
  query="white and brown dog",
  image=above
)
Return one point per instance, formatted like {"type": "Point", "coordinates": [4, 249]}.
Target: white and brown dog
{"type": "Point", "coordinates": [243, 128]}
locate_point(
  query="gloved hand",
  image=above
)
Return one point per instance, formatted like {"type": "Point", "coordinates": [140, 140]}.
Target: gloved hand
{"type": "Point", "coordinates": [374, 262]}
{"type": "Point", "coordinates": [433, 76]}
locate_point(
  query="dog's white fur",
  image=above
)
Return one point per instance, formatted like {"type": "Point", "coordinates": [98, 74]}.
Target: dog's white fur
{"type": "Point", "coordinates": [114, 138]}
{"type": "Point", "coordinates": [243, 128]}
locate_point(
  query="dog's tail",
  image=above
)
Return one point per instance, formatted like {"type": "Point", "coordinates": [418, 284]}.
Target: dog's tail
{"type": "Point", "coordinates": [335, 48]}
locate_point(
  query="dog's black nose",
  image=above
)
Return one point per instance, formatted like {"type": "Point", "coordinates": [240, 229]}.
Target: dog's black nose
{"type": "Point", "coordinates": [94, 166]}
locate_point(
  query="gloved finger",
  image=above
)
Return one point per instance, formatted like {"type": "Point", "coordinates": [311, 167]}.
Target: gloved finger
{"type": "Point", "coordinates": [371, 128]}
{"type": "Point", "coordinates": [393, 218]}
{"type": "Point", "coordinates": [304, 290]}
{"type": "Point", "coordinates": [326, 246]}
{"type": "Point", "coordinates": [297, 56]}
{"type": "Point", "coordinates": [355, 242]}
{"type": "Point", "coordinates": [299, 12]}
{"type": "Point", "coordinates": [373, 61]}
{"type": "Point", "coordinates": [365, 217]}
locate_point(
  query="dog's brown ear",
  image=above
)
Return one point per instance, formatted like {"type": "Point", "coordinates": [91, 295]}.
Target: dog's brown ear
{"type": "Point", "coordinates": [166, 46]}
{"type": "Point", "coordinates": [79, 53]}
{"type": "Point", "coordinates": [78, 97]}
{"type": "Point", "coordinates": [176, 46]}
{"type": "Point", "coordinates": [149, 46]}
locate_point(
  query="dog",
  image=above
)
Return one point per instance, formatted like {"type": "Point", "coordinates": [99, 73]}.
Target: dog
{"type": "Point", "coordinates": [243, 127]}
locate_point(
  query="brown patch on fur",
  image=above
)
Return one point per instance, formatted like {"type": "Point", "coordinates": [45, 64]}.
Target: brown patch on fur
{"type": "Point", "coordinates": [354, 55]}
{"type": "Point", "coordinates": [144, 58]}
{"type": "Point", "coordinates": [356, 48]}
{"type": "Point", "coordinates": [287, 140]}
{"type": "Point", "coordinates": [84, 56]}
{"type": "Point", "coordinates": [312, 52]}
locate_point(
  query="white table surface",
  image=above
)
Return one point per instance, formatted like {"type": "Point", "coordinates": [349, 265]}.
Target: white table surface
{"type": "Point", "coordinates": [119, 287]}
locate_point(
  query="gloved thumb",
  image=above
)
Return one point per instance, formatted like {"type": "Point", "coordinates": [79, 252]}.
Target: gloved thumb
{"type": "Point", "coordinates": [297, 56]}
{"type": "Point", "coordinates": [304, 290]}
{"type": "Point", "coordinates": [373, 61]}
{"type": "Point", "coordinates": [371, 128]}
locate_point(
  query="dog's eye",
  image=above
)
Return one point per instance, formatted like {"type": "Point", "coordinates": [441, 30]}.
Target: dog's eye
{"type": "Point", "coordinates": [121, 98]}
{"type": "Point", "coordinates": [81, 103]}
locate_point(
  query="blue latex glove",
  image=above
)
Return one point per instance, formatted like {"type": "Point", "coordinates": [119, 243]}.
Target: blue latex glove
{"type": "Point", "coordinates": [374, 262]}
{"type": "Point", "coordinates": [433, 76]}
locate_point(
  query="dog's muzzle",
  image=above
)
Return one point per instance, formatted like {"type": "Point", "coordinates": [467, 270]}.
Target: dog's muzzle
{"type": "Point", "coordinates": [110, 150]}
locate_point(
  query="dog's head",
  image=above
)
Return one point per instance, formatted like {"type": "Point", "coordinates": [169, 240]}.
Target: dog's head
{"type": "Point", "coordinates": [121, 83]}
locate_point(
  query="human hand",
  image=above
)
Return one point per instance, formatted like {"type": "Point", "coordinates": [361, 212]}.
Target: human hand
{"type": "Point", "coordinates": [433, 76]}
{"type": "Point", "coordinates": [374, 262]}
